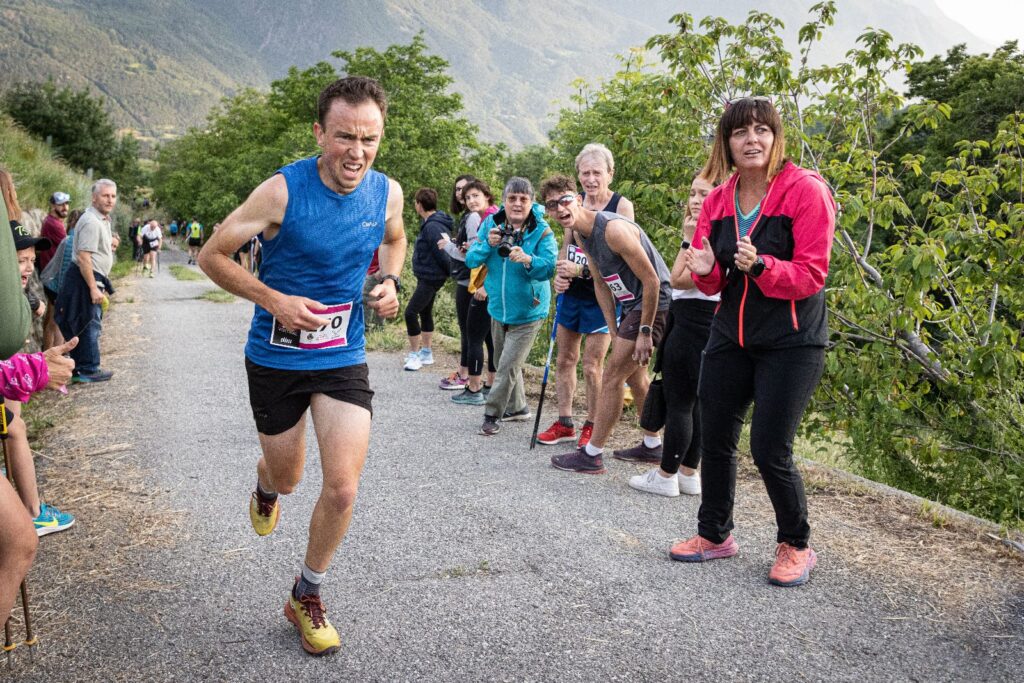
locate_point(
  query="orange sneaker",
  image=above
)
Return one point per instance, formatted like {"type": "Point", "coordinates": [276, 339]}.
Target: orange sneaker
{"type": "Point", "coordinates": [700, 549]}
{"type": "Point", "coordinates": [792, 565]}
{"type": "Point", "coordinates": [557, 433]}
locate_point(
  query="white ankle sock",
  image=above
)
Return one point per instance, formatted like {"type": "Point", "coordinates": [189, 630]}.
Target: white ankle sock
{"type": "Point", "coordinates": [593, 451]}
{"type": "Point", "coordinates": [652, 441]}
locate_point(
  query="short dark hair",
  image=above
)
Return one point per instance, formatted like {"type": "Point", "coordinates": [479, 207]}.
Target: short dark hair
{"type": "Point", "coordinates": [353, 90]}
{"type": "Point", "coordinates": [426, 198]}
{"type": "Point", "coordinates": [557, 183]}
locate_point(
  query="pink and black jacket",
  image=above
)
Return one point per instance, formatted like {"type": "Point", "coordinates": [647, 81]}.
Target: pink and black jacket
{"type": "Point", "coordinates": [785, 305]}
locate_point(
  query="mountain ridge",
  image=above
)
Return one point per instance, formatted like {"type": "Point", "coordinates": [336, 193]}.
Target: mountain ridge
{"type": "Point", "coordinates": [164, 63]}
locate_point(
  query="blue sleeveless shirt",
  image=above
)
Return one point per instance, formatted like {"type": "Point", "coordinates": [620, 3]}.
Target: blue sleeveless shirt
{"type": "Point", "coordinates": [322, 252]}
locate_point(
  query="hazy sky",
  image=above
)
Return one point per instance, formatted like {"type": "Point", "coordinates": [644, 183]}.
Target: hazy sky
{"type": "Point", "coordinates": [994, 20]}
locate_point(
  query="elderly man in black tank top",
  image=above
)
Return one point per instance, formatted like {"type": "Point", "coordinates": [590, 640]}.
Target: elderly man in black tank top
{"type": "Point", "coordinates": [630, 269]}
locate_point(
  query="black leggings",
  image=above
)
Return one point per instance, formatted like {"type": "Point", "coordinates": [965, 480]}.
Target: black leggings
{"type": "Point", "coordinates": [478, 326]}
{"type": "Point", "coordinates": [780, 383]}
{"type": "Point", "coordinates": [419, 312]}
{"type": "Point", "coordinates": [462, 299]}
{"type": "Point", "coordinates": [690, 325]}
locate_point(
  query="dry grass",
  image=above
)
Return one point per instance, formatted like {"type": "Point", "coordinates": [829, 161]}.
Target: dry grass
{"type": "Point", "coordinates": [83, 468]}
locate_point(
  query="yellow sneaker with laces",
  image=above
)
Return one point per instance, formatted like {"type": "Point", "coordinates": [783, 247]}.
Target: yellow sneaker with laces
{"type": "Point", "coordinates": [263, 515]}
{"type": "Point", "coordinates": [308, 614]}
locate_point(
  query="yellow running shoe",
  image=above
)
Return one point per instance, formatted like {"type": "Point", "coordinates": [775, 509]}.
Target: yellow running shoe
{"type": "Point", "coordinates": [263, 515]}
{"type": "Point", "coordinates": [309, 616]}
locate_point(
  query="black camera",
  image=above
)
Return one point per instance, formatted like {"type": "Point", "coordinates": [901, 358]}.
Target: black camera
{"type": "Point", "coordinates": [507, 241]}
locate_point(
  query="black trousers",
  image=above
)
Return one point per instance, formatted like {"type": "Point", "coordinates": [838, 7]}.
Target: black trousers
{"type": "Point", "coordinates": [462, 299]}
{"type": "Point", "coordinates": [419, 312]}
{"type": "Point", "coordinates": [478, 326]}
{"type": "Point", "coordinates": [780, 383]}
{"type": "Point", "coordinates": [689, 328]}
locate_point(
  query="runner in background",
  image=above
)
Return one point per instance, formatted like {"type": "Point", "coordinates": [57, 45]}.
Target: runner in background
{"type": "Point", "coordinates": [579, 314]}
{"type": "Point", "coordinates": [632, 271]}
{"type": "Point", "coordinates": [195, 240]}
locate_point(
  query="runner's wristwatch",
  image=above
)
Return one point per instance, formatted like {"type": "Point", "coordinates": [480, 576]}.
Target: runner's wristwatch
{"type": "Point", "coordinates": [645, 330]}
{"type": "Point", "coordinates": [395, 279]}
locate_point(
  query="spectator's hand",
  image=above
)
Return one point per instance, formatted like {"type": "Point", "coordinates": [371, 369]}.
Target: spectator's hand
{"type": "Point", "coordinates": [95, 295]}
{"type": "Point", "coordinates": [493, 237]}
{"type": "Point", "coordinates": [41, 311]}
{"type": "Point", "coordinates": [689, 227]}
{"type": "Point", "coordinates": [746, 254]}
{"type": "Point", "coordinates": [115, 241]}
{"type": "Point", "coordinates": [384, 299]}
{"type": "Point", "coordinates": [643, 349]}
{"type": "Point", "coordinates": [480, 294]}
{"type": "Point", "coordinates": [561, 284]}
{"type": "Point", "coordinates": [296, 313]}
{"type": "Point", "coordinates": [700, 261]}
{"type": "Point", "coordinates": [567, 269]}
{"type": "Point", "coordinates": [60, 367]}
{"type": "Point", "coordinates": [517, 255]}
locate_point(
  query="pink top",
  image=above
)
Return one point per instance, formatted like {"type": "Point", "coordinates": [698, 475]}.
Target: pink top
{"type": "Point", "coordinates": [22, 375]}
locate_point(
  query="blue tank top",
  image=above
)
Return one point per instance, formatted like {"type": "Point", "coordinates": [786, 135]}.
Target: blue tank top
{"type": "Point", "coordinates": [322, 252]}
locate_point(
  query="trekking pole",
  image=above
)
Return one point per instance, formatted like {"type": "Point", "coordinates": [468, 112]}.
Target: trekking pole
{"type": "Point", "coordinates": [30, 640]}
{"type": "Point", "coordinates": [547, 367]}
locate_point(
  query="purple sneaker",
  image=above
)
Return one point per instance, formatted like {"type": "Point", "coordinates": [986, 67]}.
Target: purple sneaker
{"type": "Point", "coordinates": [579, 461]}
{"type": "Point", "coordinates": [640, 453]}
{"type": "Point", "coordinates": [454, 382]}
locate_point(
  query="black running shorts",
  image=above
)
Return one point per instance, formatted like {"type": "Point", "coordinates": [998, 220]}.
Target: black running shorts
{"type": "Point", "coordinates": [195, 241]}
{"type": "Point", "coordinates": [279, 398]}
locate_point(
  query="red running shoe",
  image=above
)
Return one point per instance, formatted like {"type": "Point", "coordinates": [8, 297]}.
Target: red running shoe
{"type": "Point", "coordinates": [557, 433]}
{"type": "Point", "coordinates": [586, 431]}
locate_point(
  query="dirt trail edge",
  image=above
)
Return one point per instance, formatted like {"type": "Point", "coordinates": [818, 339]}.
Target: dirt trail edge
{"type": "Point", "coordinates": [468, 558]}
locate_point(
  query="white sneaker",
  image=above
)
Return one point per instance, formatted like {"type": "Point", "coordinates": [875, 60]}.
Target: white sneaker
{"type": "Point", "coordinates": [426, 356]}
{"type": "Point", "coordinates": [412, 361]}
{"type": "Point", "coordinates": [652, 482]}
{"type": "Point", "coordinates": [689, 483]}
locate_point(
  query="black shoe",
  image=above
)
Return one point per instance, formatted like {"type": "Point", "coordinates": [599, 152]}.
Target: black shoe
{"type": "Point", "coordinates": [490, 427]}
{"type": "Point", "coordinates": [640, 453]}
{"type": "Point", "coordinates": [87, 378]}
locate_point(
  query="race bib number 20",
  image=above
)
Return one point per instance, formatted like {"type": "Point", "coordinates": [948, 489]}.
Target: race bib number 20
{"type": "Point", "coordinates": [334, 333]}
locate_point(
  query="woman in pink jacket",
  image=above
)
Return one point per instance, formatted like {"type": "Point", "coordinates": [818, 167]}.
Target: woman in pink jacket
{"type": "Point", "coordinates": [763, 242]}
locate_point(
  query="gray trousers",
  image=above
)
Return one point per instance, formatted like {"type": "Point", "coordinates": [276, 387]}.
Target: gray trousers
{"type": "Point", "coordinates": [512, 344]}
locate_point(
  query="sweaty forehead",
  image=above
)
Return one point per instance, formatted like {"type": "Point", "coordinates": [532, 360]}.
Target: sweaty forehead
{"type": "Point", "coordinates": [359, 119]}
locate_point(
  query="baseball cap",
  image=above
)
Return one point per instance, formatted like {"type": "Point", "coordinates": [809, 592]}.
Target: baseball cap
{"type": "Point", "coordinates": [23, 239]}
{"type": "Point", "coordinates": [58, 198]}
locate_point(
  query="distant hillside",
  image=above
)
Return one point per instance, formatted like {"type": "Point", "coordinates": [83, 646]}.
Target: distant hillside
{"type": "Point", "coordinates": [164, 63]}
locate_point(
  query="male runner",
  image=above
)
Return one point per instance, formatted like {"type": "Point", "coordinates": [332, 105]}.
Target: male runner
{"type": "Point", "coordinates": [195, 240]}
{"type": "Point", "coordinates": [319, 221]}
{"type": "Point", "coordinates": [631, 270]}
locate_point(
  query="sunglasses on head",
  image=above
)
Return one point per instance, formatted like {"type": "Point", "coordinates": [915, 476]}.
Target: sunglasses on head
{"type": "Point", "coordinates": [751, 98]}
{"type": "Point", "coordinates": [564, 200]}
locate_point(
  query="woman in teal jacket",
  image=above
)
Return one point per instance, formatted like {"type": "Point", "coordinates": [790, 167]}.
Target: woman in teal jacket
{"type": "Point", "coordinates": [518, 293]}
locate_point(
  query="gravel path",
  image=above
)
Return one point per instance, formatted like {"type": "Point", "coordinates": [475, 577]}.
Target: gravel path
{"type": "Point", "coordinates": [468, 558]}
